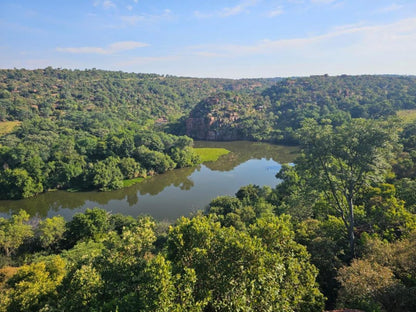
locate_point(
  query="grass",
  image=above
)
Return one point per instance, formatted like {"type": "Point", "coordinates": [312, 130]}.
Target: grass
{"type": "Point", "coordinates": [210, 154]}
{"type": "Point", "coordinates": [407, 115]}
{"type": "Point", "coordinates": [131, 182]}
{"type": "Point", "coordinates": [8, 126]}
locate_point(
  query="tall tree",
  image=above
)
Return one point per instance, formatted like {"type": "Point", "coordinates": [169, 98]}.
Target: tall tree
{"type": "Point", "coordinates": [14, 231]}
{"type": "Point", "coordinates": [341, 161]}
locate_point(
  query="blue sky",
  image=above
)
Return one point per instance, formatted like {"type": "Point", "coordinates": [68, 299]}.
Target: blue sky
{"type": "Point", "coordinates": [230, 38]}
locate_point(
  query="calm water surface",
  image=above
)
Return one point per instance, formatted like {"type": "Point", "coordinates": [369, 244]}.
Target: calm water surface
{"type": "Point", "coordinates": [175, 193]}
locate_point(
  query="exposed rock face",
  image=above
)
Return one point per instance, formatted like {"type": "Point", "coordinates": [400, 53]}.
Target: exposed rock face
{"type": "Point", "coordinates": [224, 117]}
{"type": "Point", "coordinates": [208, 128]}
{"type": "Point", "coordinates": [199, 128]}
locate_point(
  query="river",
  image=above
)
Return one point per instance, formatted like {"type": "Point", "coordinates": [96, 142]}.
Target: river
{"type": "Point", "coordinates": [173, 194]}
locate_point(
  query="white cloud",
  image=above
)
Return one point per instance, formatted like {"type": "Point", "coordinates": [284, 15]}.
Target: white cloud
{"type": "Point", "coordinates": [111, 49]}
{"type": "Point", "coordinates": [106, 4]}
{"type": "Point", "coordinates": [228, 11]}
{"type": "Point", "coordinates": [390, 8]}
{"type": "Point", "coordinates": [239, 8]}
{"type": "Point", "coordinates": [365, 39]}
{"type": "Point", "coordinates": [135, 19]}
{"type": "Point", "coordinates": [275, 12]}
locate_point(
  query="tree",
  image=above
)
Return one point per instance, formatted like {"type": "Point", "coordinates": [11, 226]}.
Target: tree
{"type": "Point", "coordinates": [50, 231]}
{"type": "Point", "coordinates": [259, 270]}
{"type": "Point", "coordinates": [130, 168]}
{"type": "Point", "coordinates": [184, 157]}
{"type": "Point", "coordinates": [14, 231]}
{"type": "Point", "coordinates": [33, 286]}
{"type": "Point", "coordinates": [341, 161]}
{"type": "Point", "coordinates": [107, 175]}
{"type": "Point", "coordinates": [17, 183]}
{"type": "Point", "coordinates": [364, 284]}
{"type": "Point", "coordinates": [87, 225]}
{"type": "Point", "coordinates": [153, 160]}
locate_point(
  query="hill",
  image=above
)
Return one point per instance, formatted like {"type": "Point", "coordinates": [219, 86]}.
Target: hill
{"type": "Point", "coordinates": [273, 114]}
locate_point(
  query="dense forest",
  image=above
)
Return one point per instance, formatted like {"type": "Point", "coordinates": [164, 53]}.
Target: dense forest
{"type": "Point", "coordinates": [339, 230]}
{"type": "Point", "coordinates": [276, 112]}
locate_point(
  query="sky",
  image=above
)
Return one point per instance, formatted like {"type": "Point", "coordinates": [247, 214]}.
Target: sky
{"type": "Point", "coordinates": [227, 39]}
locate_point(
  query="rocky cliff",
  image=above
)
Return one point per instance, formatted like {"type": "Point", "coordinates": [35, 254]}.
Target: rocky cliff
{"type": "Point", "coordinates": [225, 117]}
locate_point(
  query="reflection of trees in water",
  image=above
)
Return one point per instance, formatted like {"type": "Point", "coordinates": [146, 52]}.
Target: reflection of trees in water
{"type": "Point", "coordinates": [242, 151]}
{"type": "Point", "coordinates": [40, 205]}
{"type": "Point", "coordinates": [132, 199]}
{"type": "Point", "coordinates": [55, 201]}
{"type": "Point", "coordinates": [178, 178]}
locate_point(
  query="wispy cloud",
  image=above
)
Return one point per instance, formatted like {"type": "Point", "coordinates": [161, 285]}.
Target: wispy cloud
{"type": "Point", "coordinates": [376, 38]}
{"type": "Point", "coordinates": [241, 7]}
{"type": "Point", "coordinates": [390, 8]}
{"type": "Point", "coordinates": [275, 12]}
{"type": "Point", "coordinates": [228, 11]}
{"type": "Point", "coordinates": [111, 49]}
{"type": "Point", "coordinates": [106, 4]}
{"type": "Point", "coordinates": [135, 19]}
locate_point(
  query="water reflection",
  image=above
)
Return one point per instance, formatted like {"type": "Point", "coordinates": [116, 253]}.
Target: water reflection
{"type": "Point", "coordinates": [174, 193]}
{"type": "Point", "coordinates": [177, 178]}
{"type": "Point", "coordinates": [242, 151]}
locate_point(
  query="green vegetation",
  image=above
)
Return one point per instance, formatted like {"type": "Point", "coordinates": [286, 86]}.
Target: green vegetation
{"type": "Point", "coordinates": [93, 129]}
{"type": "Point", "coordinates": [278, 111]}
{"type": "Point", "coordinates": [341, 224]}
{"type": "Point", "coordinates": [8, 126]}
{"type": "Point", "coordinates": [210, 153]}
{"type": "Point", "coordinates": [407, 115]}
{"type": "Point", "coordinates": [105, 262]}
{"type": "Point", "coordinates": [130, 182]}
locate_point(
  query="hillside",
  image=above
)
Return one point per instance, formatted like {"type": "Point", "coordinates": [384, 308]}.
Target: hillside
{"type": "Point", "coordinates": [63, 94]}
{"type": "Point", "coordinates": [273, 114]}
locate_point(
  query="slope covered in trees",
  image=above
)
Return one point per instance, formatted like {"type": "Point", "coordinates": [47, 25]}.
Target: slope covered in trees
{"type": "Point", "coordinates": [71, 95]}
{"type": "Point", "coordinates": [94, 129]}
{"type": "Point", "coordinates": [276, 112]}
{"type": "Point", "coordinates": [104, 262]}
{"type": "Point", "coordinates": [343, 216]}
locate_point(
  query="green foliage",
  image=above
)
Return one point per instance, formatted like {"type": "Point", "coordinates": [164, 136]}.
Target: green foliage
{"type": "Point", "coordinates": [154, 161]}
{"type": "Point", "coordinates": [340, 161]}
{"type": "Point", "coordinates": [130, 169]}
{"type": "Point", "coordinates": [363, 284]}
{"type": "Point", "coordinates": [34, 286]}
{"type": "Point", "coordinates": [88, 225]}
{"type": "Point", "coordinates": [279, 110]}
{"type": "Point", "coordinates": [237, 271]}
{"type": "Point", "coordinates": [186, 157]}
{"type": "Point", "coordinates": [106, 175]}
{"type": "Point", "coordinates": [384, 279]}
{"type": "Point", "coordinates": [7, 126]}
{"type": "Point", "coordinates": [386, 215]}
{"type": "Point", "coordinates": [210, 154]}
{"type": "Point", "coordinates": [82, 289]}
{"type": "Point", "coordinates": [16, 184]}
{"type": "Point", "coordinates": [14, 231]}
{"type": "Point", "coordinates": [50, 232]}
